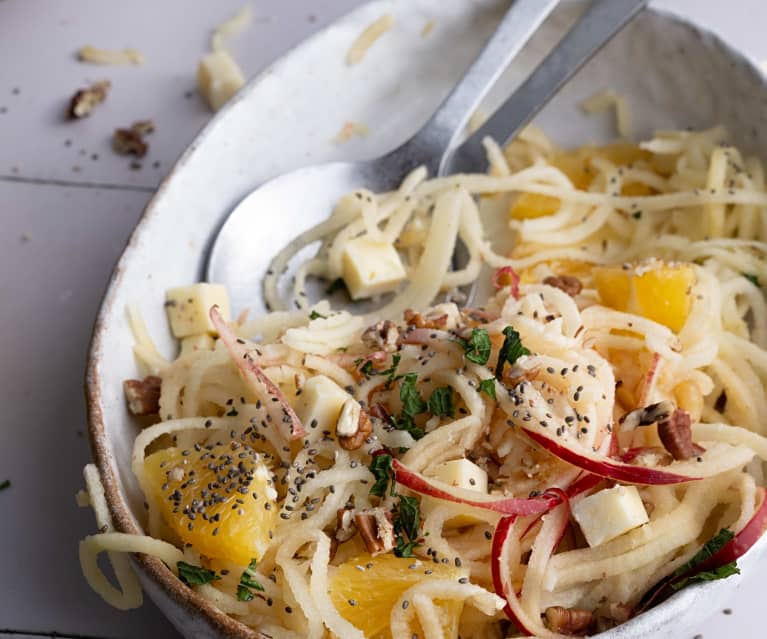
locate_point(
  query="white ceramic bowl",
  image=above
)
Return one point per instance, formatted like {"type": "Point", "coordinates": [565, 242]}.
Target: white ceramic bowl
{"type": "Point", "coordinates": [673, 73]}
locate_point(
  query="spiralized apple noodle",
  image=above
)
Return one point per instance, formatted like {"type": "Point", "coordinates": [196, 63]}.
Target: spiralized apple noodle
{"type": "Point", "coordinates": [558, 420]}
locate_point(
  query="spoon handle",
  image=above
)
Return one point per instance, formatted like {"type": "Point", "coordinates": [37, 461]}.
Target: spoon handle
{"type": "Point", "coordinates": [430, 144]}
{"type": "Point", "coordinates": [598, 24]}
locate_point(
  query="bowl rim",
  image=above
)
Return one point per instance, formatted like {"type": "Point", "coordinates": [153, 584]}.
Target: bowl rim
{"type": "Point", "coordinates": [154, 569]}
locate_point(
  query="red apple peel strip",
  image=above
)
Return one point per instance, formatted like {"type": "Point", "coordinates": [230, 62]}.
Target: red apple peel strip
{"type": "Point", "coordinates": [503, 505]}
{"type": "Point", "coordinates": [255, 377]}
{"type": "Point", "coordinates": [606, 467]}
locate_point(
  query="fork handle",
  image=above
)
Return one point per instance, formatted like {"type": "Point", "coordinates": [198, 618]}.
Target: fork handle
{"type": "Point", "coordinates": [598, 24]}
{"type": "Point", "coordinates": [430, 144]}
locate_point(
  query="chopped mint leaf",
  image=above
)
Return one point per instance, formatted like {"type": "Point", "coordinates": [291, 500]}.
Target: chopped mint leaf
{"type": "Point", "coordinates": [441, 402]}
{"type": "Point", "coordinates": [382, 470]}
{"type": "Point", "coordinates": [407, 521]}
{"type": "Point", "coordinates": [248, 581]}
{"type": "Point", "coordinates": [412, 402]}
{"type": "Point", "coordinates": [195, 575]}
{"type": "Point", "coordinates": [711, 547]}
{"type": "Point", "coordinates": [335, 285]}
{"type": "Point", "coordinates": [707, 575]}
{"type": "Point", "coordinates": [477, 347]}
{"type": "Point", "coordinates": [487, 386]}
{"type": "Point", "coordinates": [511, 350]}
{"type": "Point", "coordinates": [753, 278]}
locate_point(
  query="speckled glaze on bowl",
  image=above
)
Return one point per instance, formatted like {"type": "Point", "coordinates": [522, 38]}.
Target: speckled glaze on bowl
{"type": "Point", "coordinates": [674, 74]}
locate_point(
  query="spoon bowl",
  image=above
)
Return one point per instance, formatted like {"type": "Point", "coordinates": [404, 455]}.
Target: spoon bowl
{"type": "Point", "coordinates": [312, 192]}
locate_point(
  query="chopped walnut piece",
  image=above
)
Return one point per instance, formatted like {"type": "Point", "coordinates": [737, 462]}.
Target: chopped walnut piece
{"type": "Point", "coordinates": [384, 335]}
{"type": "Point", "coordinates": [568, 621]}
{"type": "Point", "coordinates": [376, 530]}
{"type": "Point", "coordinates": [345, 527]}
{"type": "Point", "coordinates": [355, 440]}
{"type": "Point", "coordinates": [676, 435]}
{"type": "Point", "coordinates": [143, 127]}
{"type": "Point", "coordinates": [127, 141]}
{"type": "Point", "coordinates": [567, 283]}
{"type": "Point", "coordinates": [131, 141]}
{"type": "Point", "coordinates": [143, 395]}
{"type": "Point", "coordinates": [85, 100]}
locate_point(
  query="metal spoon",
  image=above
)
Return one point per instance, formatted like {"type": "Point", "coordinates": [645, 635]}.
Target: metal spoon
{"type": "Point", "coordinates": [310, 193]}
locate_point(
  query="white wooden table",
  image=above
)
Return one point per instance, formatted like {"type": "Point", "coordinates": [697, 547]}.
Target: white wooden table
{"type": "Point", "coordinates": [67, 205]}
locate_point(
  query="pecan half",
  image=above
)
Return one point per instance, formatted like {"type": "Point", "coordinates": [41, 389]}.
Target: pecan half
{"type": "Point", "coordinates": [128, 141]}
{"type": "Point", "coordinates": [567, 283]}
{"type": "Point", "coordinates": [568, 621]}
{"type": "Point", "coordinates": [384, 335]}
{"type": "Point", "coordinates": [676, 435]}
{"type": "Point", "coordinates": [610, 615]}
{"type": "Point", "coordinates": [143, 395]}
{"type": "Point", "coordinates": [376, 530]}
{"type": "Point", "coordinates": [358, 430]}
{"type": "Point", "coordinates": [85, 100]}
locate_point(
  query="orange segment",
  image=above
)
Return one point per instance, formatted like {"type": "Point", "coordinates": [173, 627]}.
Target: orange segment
{"type": "Point", "coordinates": [217, 499]}
{"type": "Point", "coordinates": [576, 165]}
{"type": "Point", "coordinates": [376, 583]}
{"type": "Point", "coordinates": [529, 206]}
{"type": "Point", "coordinates": [657, 290]}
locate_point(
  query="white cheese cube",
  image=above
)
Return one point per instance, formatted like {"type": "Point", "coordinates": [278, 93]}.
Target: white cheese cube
{"type": "Point", "coordinates": [194, 343]}
{"type": "Point", "coordinates": [218, 78]}
{"type": "Point", "coordinates": [609, 513]}
{"type": "Point", "coordinates": [188, 308]}
{"type": "Point", "coordinates": [321, 403]}
{"type": "Point", "coordinates": [371, 267]}
{"type": "Point", "coordinates": [461, 473]}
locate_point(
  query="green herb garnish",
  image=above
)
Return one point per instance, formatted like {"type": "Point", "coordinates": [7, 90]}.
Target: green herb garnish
{"type": "Point", "coordinates": [382, 470]}
{"type": "Point", "coordinates": [412, 405]}
{"type": "Point", "coordinates": [367, 368]}
{"type": "Point", "coordinates": [753, 278]}
{"type": "Point", "coordinates": [335, 285]}
{"type": "Point", "coordinates": [441, 402]}
{"type": "Point", "coordinates": [406, 520]}
{"type": "Point", "coordinates": [477, 347]}
{"type": "Point", "coordinates": [487, 386]}
{"type": "Point", "coordinates": [637, 215]}
{"type": "Point", "coordinates": [248, 581]}
{"type": "Point", "coordinates": [6, 483]}
{"type": "Point", "coordinates": [412, 402]}
{"type": "Point", "coordinates": [511, 350]}
{"type": "Point", "coordinates": [315, 315]}
{"type": "Point", "coordinates": [391, 372]}
{"type": "Point", "coordinates": [195, 575]}
{"type": "Point", "coordinates": [707, 575]}
{"type": "Point", "coordinates": [711, 547]}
